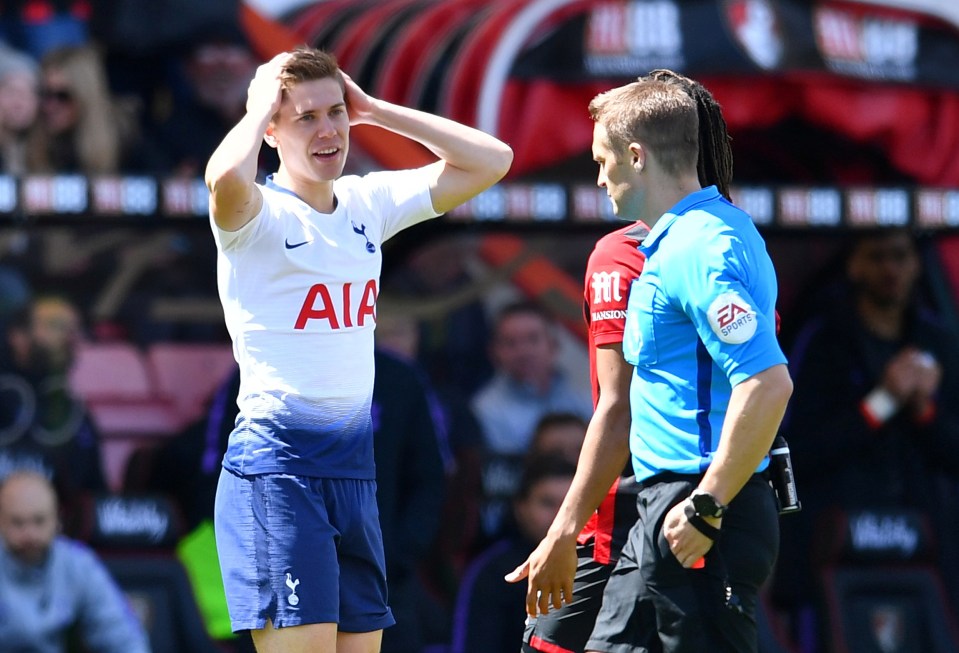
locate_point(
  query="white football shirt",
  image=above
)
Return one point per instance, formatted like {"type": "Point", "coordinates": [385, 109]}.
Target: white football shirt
{"type": "Point", "coordinates": [299, 291]}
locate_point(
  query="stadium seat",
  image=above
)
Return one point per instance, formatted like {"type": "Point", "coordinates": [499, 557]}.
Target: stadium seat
{"type": "Point", "coordinates": [114, 381]}
{"type": "Point", "coordinates": [880, 588]}
{"type": "Point", "coordinates": [187, 375]}
{"type": "Point", "coordinates": [111, 371]}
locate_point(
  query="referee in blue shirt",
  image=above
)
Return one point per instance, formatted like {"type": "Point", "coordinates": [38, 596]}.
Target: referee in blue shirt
{"type": "Point", "coordinates": [708, 392]}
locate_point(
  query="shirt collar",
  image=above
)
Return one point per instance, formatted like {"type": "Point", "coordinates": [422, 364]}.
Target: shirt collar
{"type": "Point", "coordinates": [684, 205]}
{"type": "Point", "coordinates": [269, 183]}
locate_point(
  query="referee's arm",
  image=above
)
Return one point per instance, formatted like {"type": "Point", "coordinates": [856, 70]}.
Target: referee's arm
{"type": "Point", "coordinates": [756, 408]}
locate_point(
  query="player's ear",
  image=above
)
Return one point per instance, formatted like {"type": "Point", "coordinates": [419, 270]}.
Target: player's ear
{"type": "Point", "coordinates": [637, 156]}
{"type": "Point", "coordinates": [269, 136]}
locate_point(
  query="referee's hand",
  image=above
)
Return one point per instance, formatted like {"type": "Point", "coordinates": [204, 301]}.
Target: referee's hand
{"type": "Point", "coordinates": [550, 569]}
{"type": "Point", "coordinates": [685, 541]}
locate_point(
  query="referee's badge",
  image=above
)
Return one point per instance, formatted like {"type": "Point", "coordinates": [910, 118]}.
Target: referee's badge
{"type": "Point", "coordinates": [731, 318]}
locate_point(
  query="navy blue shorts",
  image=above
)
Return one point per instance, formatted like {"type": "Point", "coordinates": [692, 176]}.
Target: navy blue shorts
{"type": "Point", "coordinates": [299, 550]}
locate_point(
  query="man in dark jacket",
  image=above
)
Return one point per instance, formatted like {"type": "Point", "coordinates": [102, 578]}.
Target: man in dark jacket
{"type": "Point", "coordinates": [873, 422]}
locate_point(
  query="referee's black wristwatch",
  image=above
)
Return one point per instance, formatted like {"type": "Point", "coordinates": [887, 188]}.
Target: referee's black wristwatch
{"type": "Point", "coordinates": [702, 504]}
{"type": "Point", "coordinates": [706, 504]}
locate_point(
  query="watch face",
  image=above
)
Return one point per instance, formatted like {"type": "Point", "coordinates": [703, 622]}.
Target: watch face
{"type": "Point", "coordinates": [706, 505]}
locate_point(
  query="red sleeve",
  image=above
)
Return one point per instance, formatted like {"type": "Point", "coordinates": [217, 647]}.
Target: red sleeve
{"type": "Point", "coordinates": [614, 264]}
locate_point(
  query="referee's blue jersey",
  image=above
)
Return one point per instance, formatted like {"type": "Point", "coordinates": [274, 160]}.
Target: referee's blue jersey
{"type": "Point", "coordinates": [701, 319]}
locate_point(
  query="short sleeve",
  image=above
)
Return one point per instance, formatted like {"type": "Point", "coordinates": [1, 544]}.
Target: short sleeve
{"type": "Point", "coordinates": [606, 289]}
{"type": "Point", "coordinates": [251, 231]}
{"type": "Point", "coordinates": [731, 307]}
{"type": "Point", "coordinates": [402, 197]}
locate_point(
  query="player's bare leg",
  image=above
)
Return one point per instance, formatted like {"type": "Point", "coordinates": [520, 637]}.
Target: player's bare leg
{"type": "Point", "coordinates": [359, 642]}
{"type": "Point", "coordinates": [314, 638]}
{"type": "Point", "coordinates": [310, 638]}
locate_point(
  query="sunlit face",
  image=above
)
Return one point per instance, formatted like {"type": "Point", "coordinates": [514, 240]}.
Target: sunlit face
{"type": "Point", "coordinates": [58, 102]}
{"type": "Point", "coordinates": [535, 513]}
{"type": "Point", "coordinates": [618, 175]}
{"type": "Point", "coordinates": [28, 517]}
{"type": "Point", "coordinates": [311, 131]}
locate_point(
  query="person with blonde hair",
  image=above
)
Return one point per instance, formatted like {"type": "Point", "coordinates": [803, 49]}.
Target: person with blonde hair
{"type": "Point", "coordinates": [80, 128]}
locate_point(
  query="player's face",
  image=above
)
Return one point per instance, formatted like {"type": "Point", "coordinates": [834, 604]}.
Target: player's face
{"type": "Point", "coordinates": [312, 130]}
{"type": "Point", "coordinates": [28, 519]}
{"type": "Point", "coordinates": [617, 175]}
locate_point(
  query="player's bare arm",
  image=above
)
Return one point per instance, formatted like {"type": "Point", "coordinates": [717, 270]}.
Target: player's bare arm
{"type": "Point", "coordinates": [470, 160]}
{"type": "Point", "coordinates": [231, 171]}
{"type": "Point", "coordinates": [605, 452]}
{"type": "Point", "coordinates": [756, 408]}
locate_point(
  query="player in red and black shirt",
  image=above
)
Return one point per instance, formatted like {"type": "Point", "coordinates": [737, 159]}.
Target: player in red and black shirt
{"type": "Point", "coordinates": [613, 265]}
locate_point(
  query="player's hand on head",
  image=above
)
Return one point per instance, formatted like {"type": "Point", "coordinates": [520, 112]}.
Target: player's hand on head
{"type": "Point", "coordinates": [359, 104]}
{"type": "Point", "coordinates": [264, 94]}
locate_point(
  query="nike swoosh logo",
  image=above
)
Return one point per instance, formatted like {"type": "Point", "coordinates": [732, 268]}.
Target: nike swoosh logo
{"type": "Point", "coordinates": [289, 246]}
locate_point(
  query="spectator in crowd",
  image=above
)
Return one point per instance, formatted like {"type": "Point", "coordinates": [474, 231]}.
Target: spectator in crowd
{"type": "Point", "coordinates": [461, 445]}
{"type": "Point", "coordinates": [527, 385]}
{"type": "Point", "coordinates": [490, 612]}
{"type": "Point", "coordinates": [454, 331]}
{"type": "Point", "coordinates": [43, 426]}
{"type": "Point", "coordinates": [50, 585]}
{"type": "Point", "coordinates": [19, 102]}
{"type": "Point", "coordinates": [80, 128]}
{"type": "Point", "coordinates": [559, 434]}
{"type": "Point", "coordinates": [208, 98]}
{"type": "Point", "coordinates": [410, 481]}
{"type": "Point", "coordinates": [873, 422]}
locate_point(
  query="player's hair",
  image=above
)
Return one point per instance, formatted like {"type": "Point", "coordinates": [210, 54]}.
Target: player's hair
{"type": "Point", "coordinates": [658, 114]}
{"type": "Point", "coordinates": [715, 162]}
{"type": "Point", "coordinates": [309, 64]}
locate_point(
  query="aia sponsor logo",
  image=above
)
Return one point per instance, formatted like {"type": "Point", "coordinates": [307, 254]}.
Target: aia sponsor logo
{"type": "Point", "coordinates": [866, 46]}
{"type": "Point", "coordinates": [732, 319]}
{"type": "Point", "coordinates": [345, 309]}
{"type": "Point", "coordinates": [757, 31]}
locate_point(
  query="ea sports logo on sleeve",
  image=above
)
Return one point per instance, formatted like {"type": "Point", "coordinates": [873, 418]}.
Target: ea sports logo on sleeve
{"type": "Point", "coordinates": [732, 319]}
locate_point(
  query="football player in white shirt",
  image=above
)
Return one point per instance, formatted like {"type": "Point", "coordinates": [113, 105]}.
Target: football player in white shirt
{"type": "Point", "coordinates": [298, 274]}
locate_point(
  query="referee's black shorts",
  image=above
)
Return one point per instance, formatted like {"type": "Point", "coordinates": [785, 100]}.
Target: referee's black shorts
{"type": "Point", "coordinates": [652, 603]}
{"type": "Point", "coordinates": [566, 630]}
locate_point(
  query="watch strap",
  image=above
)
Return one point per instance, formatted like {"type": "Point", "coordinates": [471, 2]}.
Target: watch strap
{"type": "Point", "coordinates": [701, 524]}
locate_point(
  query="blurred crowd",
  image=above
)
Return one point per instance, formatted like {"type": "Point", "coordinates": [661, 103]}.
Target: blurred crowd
{"type": "Point", "coordinates": [75, 97]}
